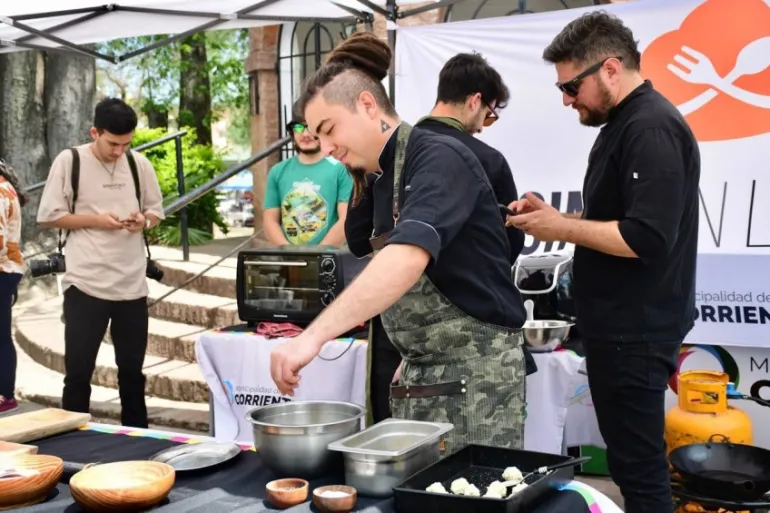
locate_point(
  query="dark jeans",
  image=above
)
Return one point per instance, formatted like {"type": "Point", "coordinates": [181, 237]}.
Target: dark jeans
{"type": "Point", "coordinates": [9, 282]}
{"type": "Point", "coordinates": [628, 383]}
{"type": "Point", "coordinates": [86, 319]}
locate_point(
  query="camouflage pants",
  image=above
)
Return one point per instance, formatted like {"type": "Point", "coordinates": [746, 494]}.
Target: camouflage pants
{"type": "Point", "coordinates": [458, 370]}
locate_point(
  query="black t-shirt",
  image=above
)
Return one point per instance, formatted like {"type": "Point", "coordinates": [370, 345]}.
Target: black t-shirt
{"type": "Point", "coordinates": [497, 170]}
{"type": "Point", "coordinates": [449, 209]}
{"type": "Point", "coordinates": [643, 171]}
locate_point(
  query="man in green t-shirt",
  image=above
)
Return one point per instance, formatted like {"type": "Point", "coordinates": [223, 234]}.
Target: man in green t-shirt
{"type": "Point", "coordinates": [306, 197]}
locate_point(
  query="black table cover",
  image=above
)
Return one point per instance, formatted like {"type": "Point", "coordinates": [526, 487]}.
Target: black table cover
{"type": "Point", "coordinates": [237, 486]}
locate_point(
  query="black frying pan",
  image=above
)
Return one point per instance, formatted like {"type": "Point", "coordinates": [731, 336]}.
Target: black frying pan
{"type": "Point", "coordinates": [727, 471]}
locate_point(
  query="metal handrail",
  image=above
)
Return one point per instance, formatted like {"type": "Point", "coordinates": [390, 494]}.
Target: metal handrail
{"type": "Point", "coordinates": [143, 147]}
{"type": "Point", "coordinates": [185, 199]}
{"type": "Point", "coordinates": [158, 142]}
{"type": "Point", "coordinates": [194, 194]}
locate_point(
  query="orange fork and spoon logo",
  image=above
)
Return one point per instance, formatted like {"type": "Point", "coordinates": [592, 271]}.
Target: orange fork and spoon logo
{"type": "Point", "coordinates": [716, 69]}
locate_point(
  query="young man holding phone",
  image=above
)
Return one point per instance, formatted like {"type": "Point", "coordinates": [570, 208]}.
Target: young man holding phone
{"type": "Point", "coordinates": [103, 218]}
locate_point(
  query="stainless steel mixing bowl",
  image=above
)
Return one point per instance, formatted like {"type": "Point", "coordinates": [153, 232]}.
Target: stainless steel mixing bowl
{"type": "Point", "coordinates": [292, 437]}
{"type": "Point", "coordinates": [542, 336]}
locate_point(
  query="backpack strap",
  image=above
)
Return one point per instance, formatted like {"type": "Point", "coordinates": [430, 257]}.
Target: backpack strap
{"type": "Point", "coordinates": [135, 176]}
{"type": "Point", "coordinates": [75, 177]}
{"type": "Point", "coordinates": [138, 191]}
{"type": "Point", "coordinates": [74, 182]}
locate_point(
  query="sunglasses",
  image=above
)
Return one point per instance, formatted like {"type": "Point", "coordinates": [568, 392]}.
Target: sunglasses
{"type": "Point", "coordinates": [572, 87]}
{"type": "Point", "coordinates": [492, 116]}
{"type": "Point", "coordinates": [297, 128]}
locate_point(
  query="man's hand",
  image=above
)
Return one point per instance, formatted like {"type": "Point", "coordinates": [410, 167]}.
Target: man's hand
{"type": "Point", "coordinates": [522, 206]}
{"type": "Point", "coordinates": [538, 219]}
{"type": "Point", "coordinates": [287, 359]}
{"type": "Point", "coordinates": [397, 374]}
{"type": "Point", "coordinates": [135, 222]}
{"type": "Point", "coordinates": [108, 221]}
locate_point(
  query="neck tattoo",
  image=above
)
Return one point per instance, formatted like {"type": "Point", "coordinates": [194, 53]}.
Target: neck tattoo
{"type": "Point", "coordinates": [384, 126]}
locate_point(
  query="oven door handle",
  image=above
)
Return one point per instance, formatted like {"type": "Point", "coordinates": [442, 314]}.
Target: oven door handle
{"type": "Point", "coordinates": [277, 264]}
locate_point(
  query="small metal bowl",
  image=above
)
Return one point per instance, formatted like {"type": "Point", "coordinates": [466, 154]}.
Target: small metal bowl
{"type": "Point", "coordinates": [544, 336]}
{"type": "Point", "coordinates": [292, 438]}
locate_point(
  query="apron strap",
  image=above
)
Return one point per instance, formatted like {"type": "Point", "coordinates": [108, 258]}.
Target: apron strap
{"type": "Point", "coordinates": [402, 137]}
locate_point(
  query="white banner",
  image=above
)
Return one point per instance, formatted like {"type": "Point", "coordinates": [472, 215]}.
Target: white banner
{"type": "Point", "coordinates": [727, 102]}
{"type": "Point", "coordinates": [236, 367]}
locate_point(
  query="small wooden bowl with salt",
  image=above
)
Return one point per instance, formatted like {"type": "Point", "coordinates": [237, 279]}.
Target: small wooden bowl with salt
{"type": "Point", "coordinates": [285, 493]}
{"type": "Point", "coordinates": [335, 498]}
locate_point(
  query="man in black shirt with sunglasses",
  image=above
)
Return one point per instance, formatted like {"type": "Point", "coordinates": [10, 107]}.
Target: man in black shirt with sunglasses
{"type": "Point", "coordinates": [635, 246]}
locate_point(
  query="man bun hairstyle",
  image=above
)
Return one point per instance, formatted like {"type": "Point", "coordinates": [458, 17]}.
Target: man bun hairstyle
{"type": "Point", "coordinates": [357, 64]}
{"type": "Point", "coordinates": [592, 37]}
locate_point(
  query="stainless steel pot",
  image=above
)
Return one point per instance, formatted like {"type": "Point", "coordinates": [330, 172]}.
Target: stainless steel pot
{"type": "Point", "coordinates": [544, 336]}
{"type": "Point", "coordinates": [292, 437]}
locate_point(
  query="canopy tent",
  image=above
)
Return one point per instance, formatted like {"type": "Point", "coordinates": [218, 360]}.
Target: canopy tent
{"type": "Point", "coordinates": [68, 25]}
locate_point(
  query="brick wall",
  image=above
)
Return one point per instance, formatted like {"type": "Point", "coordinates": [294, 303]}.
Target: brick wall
{"type": "Point", "coordinates": [261, 63]}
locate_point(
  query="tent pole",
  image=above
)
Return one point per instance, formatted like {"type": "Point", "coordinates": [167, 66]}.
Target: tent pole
{"type": "Point", "coordinates": [390, 6]}
{"type": "Point", "coordinates": [200, 28]}
{"type": "Point", "coordinates": [63, 42]}
{"type": "Point", "coordinates": [169, 40]}
{"type": "Point", "coordinates": [374, 7]}
{"type": "Point", "coordinates": [65, 25]}
{"type": "Point", "coordinates": [66, 12]}
{"type": "Point", "coordinates": [426, 8]}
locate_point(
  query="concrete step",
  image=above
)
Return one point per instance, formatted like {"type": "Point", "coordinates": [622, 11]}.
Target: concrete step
{"type": "Point", "coordinates": [40, 385]}
{"type": "Point", "coordinates": [193, 308]}
{"type": "Point", "coordinates": [170, 340]}
{"type": "Point", "coordinates": [40, 332]}
{"type": "Point", "coordinates": [217, 281]}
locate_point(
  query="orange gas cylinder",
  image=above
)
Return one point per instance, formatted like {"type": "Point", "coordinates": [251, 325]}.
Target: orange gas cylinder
{"type": "Point", "coordinates": [703, 412]}
{"type": "Point", "coordinates": [702, 415]}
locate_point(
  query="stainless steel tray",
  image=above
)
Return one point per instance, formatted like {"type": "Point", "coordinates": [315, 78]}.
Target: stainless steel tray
{"type": "Point", "coordinates": [198, 456]}
{"type": "Point", "coordinates": [391, 438]}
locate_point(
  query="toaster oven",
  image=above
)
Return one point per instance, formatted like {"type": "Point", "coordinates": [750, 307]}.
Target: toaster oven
{"type": "Point", "coordinates": [292, 283]}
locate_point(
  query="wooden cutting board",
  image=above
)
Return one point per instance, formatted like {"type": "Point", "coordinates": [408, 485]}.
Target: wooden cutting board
{"type": "Point", "coordinates": [34, 425]}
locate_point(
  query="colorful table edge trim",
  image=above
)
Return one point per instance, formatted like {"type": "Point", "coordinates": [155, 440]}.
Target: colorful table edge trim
{"type": "Point", "coordinates": [586, 492]}
{"type": "Point", "coordinates": [153, 433]}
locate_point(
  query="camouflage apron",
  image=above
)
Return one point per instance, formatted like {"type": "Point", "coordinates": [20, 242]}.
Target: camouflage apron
{"type": "Point", "coordinates": [455, 368]}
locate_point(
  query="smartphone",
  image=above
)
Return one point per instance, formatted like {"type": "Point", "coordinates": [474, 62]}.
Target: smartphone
{"type": "Point", "coordinates": [506, 209]}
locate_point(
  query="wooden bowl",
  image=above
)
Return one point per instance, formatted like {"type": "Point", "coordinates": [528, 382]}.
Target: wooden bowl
{"type": "Point", "coordinates": [330, 499]}
{"type": "Point", "coordinates": [40, 474]}
{"type": "Point", "coordinates": [122, 486]}
{"type": "Point", "coordinates": [285, 493]}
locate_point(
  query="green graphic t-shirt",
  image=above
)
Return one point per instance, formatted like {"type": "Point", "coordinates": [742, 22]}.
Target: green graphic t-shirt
{"type": "Point", "coordinates": [307, 196]}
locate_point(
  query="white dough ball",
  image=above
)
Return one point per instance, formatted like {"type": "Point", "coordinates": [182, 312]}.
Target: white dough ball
{"type": "Point", "coordinates": [436, 488]}
{"type": "Point", "coordinates": [519, 487]}
{"type": "Point", "coordinates": [512, 474]}
{"type": "Point", "coordinates": [472, 491]}
{"type": "Point", "coordinates": [496, 490]}
{"type": "Point", "coordinates": [459, 486]}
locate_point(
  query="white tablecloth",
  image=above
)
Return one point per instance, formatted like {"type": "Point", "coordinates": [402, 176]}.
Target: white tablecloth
{"type": "Point", "coordinates": [236, 367]}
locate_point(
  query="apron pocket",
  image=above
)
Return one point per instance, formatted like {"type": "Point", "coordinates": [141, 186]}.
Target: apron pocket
{"type": "Point", "coordinates": [440, 402]}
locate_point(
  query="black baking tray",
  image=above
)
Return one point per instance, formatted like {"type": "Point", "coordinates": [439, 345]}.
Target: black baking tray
{"type": "Point", "coordinates": [480, 465]}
